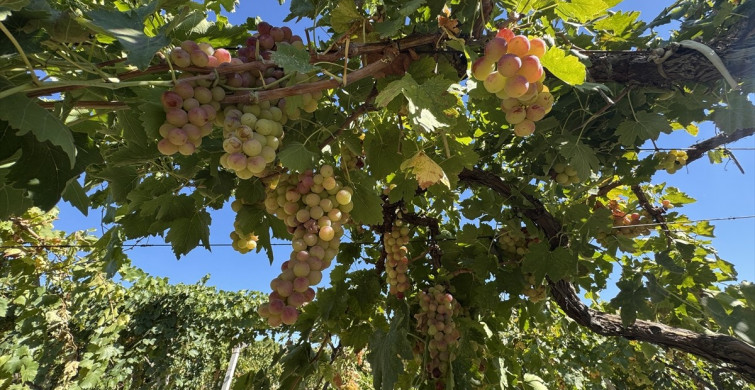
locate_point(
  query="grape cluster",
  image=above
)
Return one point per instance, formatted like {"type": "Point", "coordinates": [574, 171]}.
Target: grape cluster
{"type": "Point", "coordinates": [511, 69]}
{"type": "Point", "coordinates": [251, 138]}
{"type": "Point", "coordinates": [673, 160]}
{"type": "Point", "coordinates": [190, 109]}
{"type": "Point", "coordinates": [396, 261]}
{"type": "Point", "coordinates": [241, 241]}
{"type": "Point", "coordinates": [515, 241]}
{"type": "Point", "coordinates": [201, 55]}
{"type": "Point", "coordinates": [564, 174]}
{"type": "Point", "coordinates": [435, 319]}
{"type": "Point", "coordinates": [536, 292]}
{"type": "Point", "coordinates": [314, 207]}
{"type": "Point", "coordinates": [266, 40]}
{"type": "Point", "coordinates": [625, 224]}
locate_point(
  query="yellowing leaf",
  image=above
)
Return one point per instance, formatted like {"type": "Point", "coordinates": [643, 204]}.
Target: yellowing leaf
{"type": "Point", "coordinates": [427, 171]}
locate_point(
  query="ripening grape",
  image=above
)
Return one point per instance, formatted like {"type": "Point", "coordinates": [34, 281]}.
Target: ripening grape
{"type": "Point", "coordinates": [531, 68]}
{"type": "Point", "coordinates": [564, 174]}
{"type": "Point", "coordinates": [301, 203]}
{"type": "Point", "coordinates": [625, 223]}
{"type": "Point", "coordinates": [437, 309]}
{"type": "Point", "coordinates": [519, 45]}
{"type": "Point", "coordinates": [397, 260]}
{"type": "Point", "coordinates": [509, 65]}
{"type": "Point", "coordinates": [482, 67]}
{"type": "Point", "coordinates": [495, 48]}
{"type": "Point", "coordinates": [673, 160]}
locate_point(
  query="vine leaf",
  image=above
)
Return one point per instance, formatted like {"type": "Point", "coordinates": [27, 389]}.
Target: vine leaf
{"type": "Point", "coordinates": [738, 114]}
{"type": "Point", "coordinates": [75, 195]}
{"type": "Point", "coordinates": [14, 5]}
{"type": "Point", "coordinates": [648, 126]}
{"type": "Point", "coordinates": [12, 200]}
{"type": "Point", "coordinates": [186, 233]}
{"type": "Point", "coordinates": [25, 115]}
{"type": "Point", "coordinates": [557, 264]}
{"type": "Point", "coordinates": [297, 157]}
{"type": "Point", "coordinates": [344, 15]}
{"type": "Point", "coordinates": [367, 210]}
{"type": "Point", "coordinates": [581, 10]}
{"type": "Point", "coordinates": [566, 67]}
{"type": "Point", "coordinates": [581, 157]}
{"type": "Point", "coordinates": [128, 29]}
{"type": "Point", "coordinates": [292, 59]}
{"type": "Point", "coordinates": [534, 382]}
{"type": "Point", "coordinates": [427, 171]}
{"type": "Point", "coordinates": [423, 99]}
{"type": "Point", "coordinates": [387, 349]}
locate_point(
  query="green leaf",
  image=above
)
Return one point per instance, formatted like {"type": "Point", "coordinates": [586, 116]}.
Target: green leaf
{"type": "Point", "coordinates": [581, 157]}
{"type": "Point", "coordinates": [32, 172]}
{"type": "Point", "coordinates": [381, 150]}
{"type": "Point", "coordinates": [186, 233]}
{"type": "Point", "coordinates": [739, 113]}
{"type": "Point", "coordinates": [541, 261]}
{"type": "Point", "coordinates": [581, 10]}
{"type": "Point", "coordinates": [387, 349]}
{"type": "Point", "coordinates": [292, 59]}
{"type": "Point", "coordinates": [648, 125]}
{"type": "Point", "coordinates": [297, 157]}
{"type": "Point", "coordinates": [12, 200]}
{"type": "Point", "coordinates": [367, 210]}
{"type": "Point", "coordinates": [566, 67]}
{"type": "Point", "coordinates": [301, 9]}
{"type": "Point", "coordinates": [25, 115]}
{"type": "Point", "coordinates": [14, 5]}
{"type": "Point", "coordinates": [426, 101]}
{"type": "Point", "coordinates": [151, 116]}
{"type": "Point", "coordinates": [128, 29]}
{"type": "Point", "coordinates": [534, 382]}
{"type": "Point", "coordinates": [344, 15]}
{"type": "Point", "coordinates": [76, 196]}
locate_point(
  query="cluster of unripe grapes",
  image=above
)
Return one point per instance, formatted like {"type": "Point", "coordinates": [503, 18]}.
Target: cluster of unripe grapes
{"type": "Point", "coordinates": [314, 206]}
{"type": "Point", "coordinates": [625, 224]}
{"type": "Point", "coordinates": [436, 320]}
{"type": "Point", "coordinates": [190, 110]}
{"type": "Point", "coordinates": [241, 241]}
{"type": "Point", "coordinates": [200, 55]}
{"type": "Point", "coordinates": [511, 69]}
{"type": "Point", "coordinates": [564, 174]}
{"type": "Point", "coordinates": [251, 138]}
{"type": "Point", "coordinates": [536, 292]}
{"type": "Point", "coordinates": [396, 261]}
{"type": "Point", "coordinates": [673, 160]}
{"type": "Point", "coordinates": [515, 242]}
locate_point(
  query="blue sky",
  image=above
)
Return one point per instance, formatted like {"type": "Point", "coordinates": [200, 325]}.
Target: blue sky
{"type": "Point", "coordinates": [721, 191]}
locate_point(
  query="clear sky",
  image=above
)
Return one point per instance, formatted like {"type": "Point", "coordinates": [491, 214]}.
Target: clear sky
{"type": "Point", "coordinates": [721, 191]}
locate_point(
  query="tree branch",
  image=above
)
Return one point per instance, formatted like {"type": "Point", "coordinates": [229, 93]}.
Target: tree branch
{"type": "Point", "coordinates": [694, 152]}
{"type": "Point", "coordinates": [713, 347]}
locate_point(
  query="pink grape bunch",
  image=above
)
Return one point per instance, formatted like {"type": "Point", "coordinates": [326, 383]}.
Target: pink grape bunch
{"type": "Point", "coordinates": [511, 69]}
{"type": "Point", "coordinates": [314, 206]}
{"type": "Point", "coordinates": [396, 261]}
{"type": "Point", "coordinates": [200, 55]}
{"type": "Point", "coordinates": [436, 320]}
{"type": "Point", "coordinates": [190, 109]}
{"type": "Point", "coordinates": [241, 241]}
{"type": "Point", "coordinates": [251, 138]}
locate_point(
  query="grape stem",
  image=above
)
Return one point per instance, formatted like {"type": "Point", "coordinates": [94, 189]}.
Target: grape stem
{"type": "Point", "coordinates": [21, 52]}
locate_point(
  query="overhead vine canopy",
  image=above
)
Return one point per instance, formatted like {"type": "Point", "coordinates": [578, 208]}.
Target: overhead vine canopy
{"type": "Point", "coordinates": [490, 149]}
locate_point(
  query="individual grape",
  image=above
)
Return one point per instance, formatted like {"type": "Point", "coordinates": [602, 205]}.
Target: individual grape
{"type": "Point", "coordinates": [505, 33]}
{"type": "Point", "coordinates": [537, 47]}
{"type": "Point", "coordinates": [180, 57]}
{"type": "Point", "coordinates": [524, 128]}
{"type": "Point", "coordinates": [509, 65]}
{"type": "Point", "coordinates": [166, 147]}
{"type": "Point", "coordinates": [516, 115]}
{"type": "Point", "coordinates": [482, 67]}
{"type": "Point", "coordinates": [199, 58]}
{"type": "Point", "coordinates": [170, 99]}
{"type": "Point", "coordinates": [515, 86]}
{"type": "Point", "coordinates": [494, 82]}
{"type": "Point", "coordinates": [531, 69]}
{"type": "Point", "coordinates": [176, 116]}
{"type": "Point", "coordinates": [519, 45]}
{"type": "Point", "coordinates": [535, 112]}
{"type": "Point", "coordinates": [495, 48]}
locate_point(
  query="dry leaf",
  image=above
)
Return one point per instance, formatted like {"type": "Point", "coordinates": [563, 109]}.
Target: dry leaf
{"type": "Point", "coordinates": [425, 170]}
